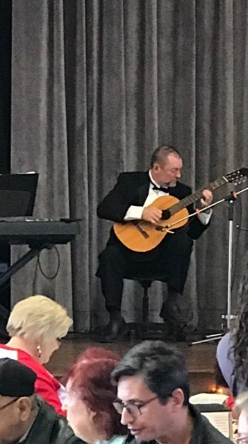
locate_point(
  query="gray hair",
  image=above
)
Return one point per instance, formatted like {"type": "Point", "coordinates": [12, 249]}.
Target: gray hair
{"type": "Point", "coordinates": [161, 153]}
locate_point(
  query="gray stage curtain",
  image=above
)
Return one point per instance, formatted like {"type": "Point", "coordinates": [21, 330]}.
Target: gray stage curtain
{"type": "Point", "coordinates": [97, 85]}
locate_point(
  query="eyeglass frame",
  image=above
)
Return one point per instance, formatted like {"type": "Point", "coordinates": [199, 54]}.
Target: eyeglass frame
{"type": "Point", "coordinates": [9, 403]}
{"type": "Point", "coordinates": [118, 403]}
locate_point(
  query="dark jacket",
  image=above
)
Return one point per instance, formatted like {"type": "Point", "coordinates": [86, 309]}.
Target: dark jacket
{"type": "Point", "coordinates": [203, 432]}
{"type": "Point", "coordinates": [132, 189]}
{"type": "Point", "coordinates": [50, 428]}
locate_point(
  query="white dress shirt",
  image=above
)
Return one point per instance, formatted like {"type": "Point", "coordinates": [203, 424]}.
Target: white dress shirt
{"type": "Point", "coordinates": [135, 212]}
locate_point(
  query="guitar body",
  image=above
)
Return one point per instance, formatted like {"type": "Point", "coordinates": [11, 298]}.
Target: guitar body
{"type": "Point", "coordinates": [142, 236]}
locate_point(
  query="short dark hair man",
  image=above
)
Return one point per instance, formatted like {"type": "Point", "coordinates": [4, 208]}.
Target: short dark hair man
{"type": "Point", "coordinates": [24, 417]}
{"type": "Point", "coordinates": [153, 398]}
{"type": "Point", "coordinates": [134, 198]}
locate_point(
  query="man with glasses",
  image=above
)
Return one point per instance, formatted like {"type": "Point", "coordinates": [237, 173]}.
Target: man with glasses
{"type": "Point", "coordinates": [153, 398]}
{"type": "Point", "coordinates": [25, 418]}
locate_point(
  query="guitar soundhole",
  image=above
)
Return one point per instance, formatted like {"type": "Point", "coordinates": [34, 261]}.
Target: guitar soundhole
{"type": "Point", "coordinates": [165, 215]}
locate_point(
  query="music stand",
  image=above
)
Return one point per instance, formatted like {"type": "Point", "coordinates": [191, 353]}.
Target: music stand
{"type": "Point", "coordinates": [17, 194]}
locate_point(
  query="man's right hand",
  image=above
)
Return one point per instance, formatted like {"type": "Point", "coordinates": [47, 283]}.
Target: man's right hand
{"type": "Point", "coordinates": [151, 214]}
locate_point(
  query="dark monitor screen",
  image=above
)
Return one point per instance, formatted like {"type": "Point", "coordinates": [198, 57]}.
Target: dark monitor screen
{"type": "Point", "coordinates": [17, 194]}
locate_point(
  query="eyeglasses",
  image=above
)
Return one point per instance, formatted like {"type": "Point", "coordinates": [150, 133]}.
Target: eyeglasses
{"type": "Point", "coordinates": [134, 409]}
{"type": "Point", "coordinates": [8, 403]}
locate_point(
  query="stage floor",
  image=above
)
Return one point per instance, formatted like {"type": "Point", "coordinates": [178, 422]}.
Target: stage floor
{"type": "Point", "coordinates": [200, 358]}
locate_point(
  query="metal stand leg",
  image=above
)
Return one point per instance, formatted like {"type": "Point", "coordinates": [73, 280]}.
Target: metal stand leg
{"type": "Point", "coordinates": [231, 200]}
{"type": "Point", "coordinates": [6, 275]}
{"type": "Point", "coordinates": [229, 283]}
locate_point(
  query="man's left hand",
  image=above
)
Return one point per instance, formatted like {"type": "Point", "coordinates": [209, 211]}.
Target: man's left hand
{"type": "Point", "coordinates": [207, 198]}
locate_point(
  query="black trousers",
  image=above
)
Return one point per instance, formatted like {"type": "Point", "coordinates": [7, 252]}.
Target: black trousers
{"type": "Point", "coordinates": [168, 262]}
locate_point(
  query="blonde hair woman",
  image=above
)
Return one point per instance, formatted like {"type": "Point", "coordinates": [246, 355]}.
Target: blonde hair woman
{"type": "Point", "coordinates": [36, 325]}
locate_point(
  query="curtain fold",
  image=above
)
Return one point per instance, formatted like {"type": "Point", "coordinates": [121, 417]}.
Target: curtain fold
{"type": "Point", "coordinates": [96, 86]}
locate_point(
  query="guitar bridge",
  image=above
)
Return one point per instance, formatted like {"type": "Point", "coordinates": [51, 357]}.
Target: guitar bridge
{"type": "Point", "coordinates": [142, 231]}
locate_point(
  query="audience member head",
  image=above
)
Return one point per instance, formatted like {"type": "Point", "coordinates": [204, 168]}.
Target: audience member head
{"type": "Point", "coordinates": [39, 322]}
{"type": "Point", "coordinates": [153, 390]}
{"type": "Point", "coordinates": [17, 400]}
{"type": "Point", "coordinates": [94, 353]}
{"type": "Point", "coordinates": [89, 404]}
{"type": "Point", "coordinates": [161, 366]}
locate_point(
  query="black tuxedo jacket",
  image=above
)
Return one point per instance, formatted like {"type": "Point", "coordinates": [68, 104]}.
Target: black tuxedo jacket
{"type": "Point", "coordinates": [132, 189]}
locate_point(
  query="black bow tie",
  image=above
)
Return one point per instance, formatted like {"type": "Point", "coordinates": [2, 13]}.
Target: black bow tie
{"type": "Point", "coordinates": [163, 189]}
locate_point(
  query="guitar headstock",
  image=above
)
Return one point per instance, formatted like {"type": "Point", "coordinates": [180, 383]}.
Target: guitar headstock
{"type": "Point", "coordinates": [237, 177]}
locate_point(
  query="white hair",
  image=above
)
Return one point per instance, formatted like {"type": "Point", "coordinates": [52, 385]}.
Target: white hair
{"type": "Point", "coordinates": [38, 318]}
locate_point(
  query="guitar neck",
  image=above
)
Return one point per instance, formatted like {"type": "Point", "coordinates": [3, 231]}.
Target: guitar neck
{"type": "Point", "coordinates": [197, 195]}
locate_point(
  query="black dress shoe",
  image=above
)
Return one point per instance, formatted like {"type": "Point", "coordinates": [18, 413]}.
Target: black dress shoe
{"type": "Point", "coordinates": [174, 320]}
{"type": "Point", "coordinates": [175, 332]}
{"type": "Point", "coordinates": [116, 329]}
{"type": "Point", "coordinates": [172, 313]}
{"type": "Point", "coordinates": [177, 335]}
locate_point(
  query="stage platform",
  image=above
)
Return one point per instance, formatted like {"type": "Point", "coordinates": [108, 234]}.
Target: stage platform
{"type": "Point", "coordinates": [200, 358]}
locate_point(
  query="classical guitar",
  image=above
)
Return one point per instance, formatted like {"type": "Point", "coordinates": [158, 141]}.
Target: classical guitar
{"type": "Point", "coordinates": [142, 236]}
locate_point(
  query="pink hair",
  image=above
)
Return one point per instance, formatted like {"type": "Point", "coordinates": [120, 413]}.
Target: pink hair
{"type": "Point", "coordinates": [92, 353]}
{"type": "Point", "coordinates": [91, 382]}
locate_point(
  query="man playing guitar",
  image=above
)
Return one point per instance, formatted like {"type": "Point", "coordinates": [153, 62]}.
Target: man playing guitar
{"type": "Point", "coordinates": [137, 203]}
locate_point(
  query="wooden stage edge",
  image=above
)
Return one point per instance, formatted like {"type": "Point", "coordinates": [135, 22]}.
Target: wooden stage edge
{"type": "Point", "coordinates": [200, 358]}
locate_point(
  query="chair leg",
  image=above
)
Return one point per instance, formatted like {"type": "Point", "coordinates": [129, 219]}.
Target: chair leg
{"type": "Point", "coordinates": [145, 311]}
{"type": "Point", "coordinates": [145, 302]}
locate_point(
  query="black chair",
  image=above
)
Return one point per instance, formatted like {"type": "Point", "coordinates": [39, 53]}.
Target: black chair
{"type": "Point", "coordinates": [146, 329]}
{"type": "Point", "coordinates": [145, 284]}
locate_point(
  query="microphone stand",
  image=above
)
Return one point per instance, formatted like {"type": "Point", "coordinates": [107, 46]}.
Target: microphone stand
{"type": "Point", "coordinates": [231, 199]}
